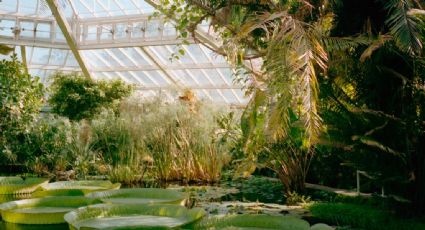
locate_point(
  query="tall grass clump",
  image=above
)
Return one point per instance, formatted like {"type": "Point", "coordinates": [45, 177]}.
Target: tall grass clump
{"type": "Point", "coordinates": [179, 138]}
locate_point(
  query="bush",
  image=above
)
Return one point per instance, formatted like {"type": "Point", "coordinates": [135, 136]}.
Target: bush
{"type": "Point", "coordinates": [20, 99]}
{"type": "Point", "coordinates": [361, 216]}
{"type": "Point", "coordinates": [78, 97]}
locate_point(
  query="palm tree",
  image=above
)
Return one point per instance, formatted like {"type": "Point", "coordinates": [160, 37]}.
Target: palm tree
{"type": "Point", "coordinates": [379, 91]}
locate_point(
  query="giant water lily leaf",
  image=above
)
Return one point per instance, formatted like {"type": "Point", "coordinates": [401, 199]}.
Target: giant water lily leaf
{"type": "Point", "coordinates": [12, 197]}
{"type": "Point", "coordinates": [61, 188]}
{"type": "Point", "coordinates": [49, 210]}
{"type": "Point", "coordinates": [257, 222]}
{"type": "Point", "coordinates": [321, 227]}
{"type": "Point", "coordinates": [132, 216]}
{"type": "Point", "coordinates": [140, 196]}
{"type": "Point", "coordinates": [18, 185]}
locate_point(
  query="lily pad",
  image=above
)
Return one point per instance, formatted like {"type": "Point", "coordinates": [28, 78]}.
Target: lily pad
{"type": "Point", "coordinates": [255, 222]}
{"type": "Point", "coordinates": [140, 196]}
{"type": "Point", "coordinates": [18, 185]}
{"type": "Point", "coordinates": [132, 216]}
{"type": "Point", "coordinates": [61, 188]}
{"type": "Point", "coordinates": [321, 227]}
{"type": "Point", "coordinates": [49, 210]}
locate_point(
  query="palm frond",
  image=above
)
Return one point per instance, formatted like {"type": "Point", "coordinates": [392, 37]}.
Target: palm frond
{"type": "Point", "coordinates": [404, 26]}
{"type": "Point", "coordinates": [378, 43]}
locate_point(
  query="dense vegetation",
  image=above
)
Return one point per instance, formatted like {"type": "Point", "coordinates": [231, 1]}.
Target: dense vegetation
{"type": "Point", "coordinates": [340, 89]}
{"type": "Point", "coordinates": [338, 76]}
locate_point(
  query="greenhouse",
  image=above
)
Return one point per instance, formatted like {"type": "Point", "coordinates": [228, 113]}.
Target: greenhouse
{"type": "Point", "coordinates": [194, 114]}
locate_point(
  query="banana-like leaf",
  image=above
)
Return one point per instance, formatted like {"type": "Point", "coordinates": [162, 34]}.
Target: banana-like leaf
{"type": "Point", "coordinates": [251, 222]}
{"type": "Point", "coordinates": [18, 185]}
{"type": "Point", "coordinates": [132, 216]}
{"type": "Point", "coordinates": [48, 210]}
{"type": "Point", "coordinates": [140, 196]}
{"type": "Point", "coordinates": [75, 188]}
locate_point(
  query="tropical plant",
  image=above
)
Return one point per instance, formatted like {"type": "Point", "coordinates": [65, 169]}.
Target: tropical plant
{"type": "Point", "coordinates": [20, 99]}
{"type": "Point", "coordinates": [374, 98]}
{"type": "Point", "coordinates": [376, 78]}
{"type": "Point", "coordinates": [77, 97]}
{"type": "Point", "coordinates": [291, 38]}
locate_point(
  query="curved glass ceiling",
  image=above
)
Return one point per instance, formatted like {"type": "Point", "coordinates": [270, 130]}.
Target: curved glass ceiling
{"type": "Point", "coordinates": [115, 39]}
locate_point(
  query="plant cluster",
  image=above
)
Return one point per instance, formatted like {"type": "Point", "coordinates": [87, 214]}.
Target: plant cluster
{"type": "Point", "coordinates": [21, 97]}
{"type": "Point", "coordinates": [77, 97]}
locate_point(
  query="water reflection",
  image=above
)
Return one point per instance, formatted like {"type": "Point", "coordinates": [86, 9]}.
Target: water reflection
{"type": "Point", "coordinates": [10, 226]}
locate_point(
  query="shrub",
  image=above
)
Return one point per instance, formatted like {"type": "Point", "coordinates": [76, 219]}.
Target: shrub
{"type": "Point", "coordinates": [77, 97]}
{"type": "Point", "coordinates": [20, 99]}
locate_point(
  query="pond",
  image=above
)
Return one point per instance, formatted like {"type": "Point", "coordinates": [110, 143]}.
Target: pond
{"type": "Point", "coordinates": [217, 200]}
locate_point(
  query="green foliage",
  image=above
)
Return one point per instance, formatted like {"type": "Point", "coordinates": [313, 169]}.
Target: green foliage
{"type": "Point", "coordinates": [47, 144]}
{"type": "Point", "coordinates": [20, 99]}
{"type": "Point", "coordinates": [256, 188]}
{"type": "Point", "coordinates": [361, 216]}
{"type": "Point", "coordinates": [77, 97]}
{"type": "Point", "coordinates": [248, 221]}
{"type": "Point", "coordinates": [177, 141]}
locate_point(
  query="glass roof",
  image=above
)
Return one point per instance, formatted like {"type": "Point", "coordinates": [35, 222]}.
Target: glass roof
{"type": "Point", "coordinates": [116, 39]}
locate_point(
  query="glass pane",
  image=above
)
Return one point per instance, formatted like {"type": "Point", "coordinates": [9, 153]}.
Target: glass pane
{"type": "Point", "coordinates": [42, 30]}
{"type": "Point", "coordinates": [58, 34]}
{"type": "Point", "coordinates": [57, 57]}
{"type": "Point", "coordinates": [106, 32]}
{"type": "Point", "coordinates": [7, 27]}
{"type": "Point", "coordinates": [138, 30]}
{"type": "Point", "coordinates": [121, 31]}
{"type": "Point", "coordinates": [71, 61]}
{"type": "Point", "coordinates": [40, 55]}
{"type": "Point", "coordinates": [27, 29]}
{"type": "Point", "coordinates": [27, 7]}
{"type": "Point", "coordinates": [8, 5]}
{"type": "Point", "coordinates": [153, 29]}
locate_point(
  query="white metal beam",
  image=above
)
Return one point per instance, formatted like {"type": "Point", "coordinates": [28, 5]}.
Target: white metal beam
{"type": "Point", "coordinates": [67, 32]}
